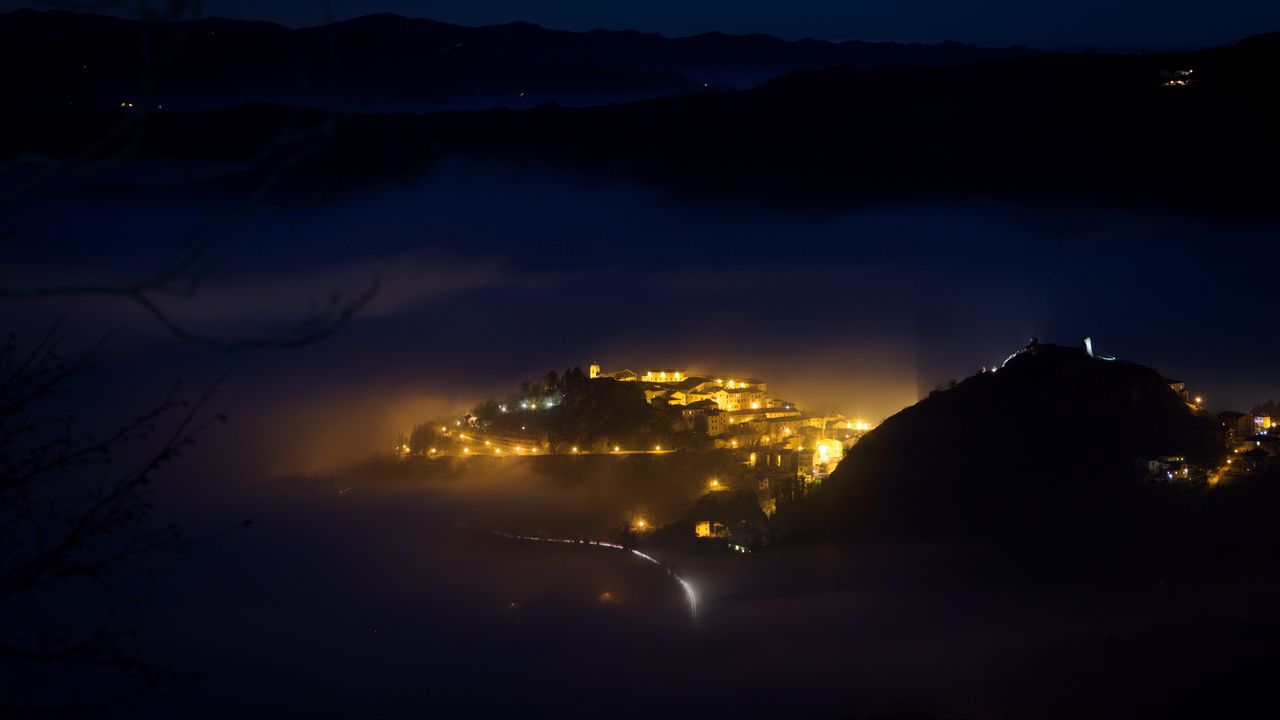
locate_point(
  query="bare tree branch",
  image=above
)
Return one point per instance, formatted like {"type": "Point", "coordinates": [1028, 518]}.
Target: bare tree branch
{"type": "Point", "coordinates": [70, 518]}
{"type": "Point", "coordinates": [75, 508]}
{"type": "Point", "coordinates": [188, 264]}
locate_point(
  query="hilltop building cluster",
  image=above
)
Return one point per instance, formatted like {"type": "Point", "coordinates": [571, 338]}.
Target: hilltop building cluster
{"type": "Point", "coordinates": [677, 387]}
{"type": "Point", "coordinates": [738, 413]}
{"type": "Point", "coordinates": [768, 449]}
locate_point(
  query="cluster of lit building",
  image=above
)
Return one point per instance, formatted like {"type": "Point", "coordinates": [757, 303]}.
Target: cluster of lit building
{"type": "Point", "coordinates": [1178, 78]}
{"type": "Point", "coordinates": [778, 448]}
{"type": "Point", "coordinates": [738, 413]}
{"type": "Point", "coordinates": [677, 387]}
{"type": "Point", "coordinates": [1253, 441]}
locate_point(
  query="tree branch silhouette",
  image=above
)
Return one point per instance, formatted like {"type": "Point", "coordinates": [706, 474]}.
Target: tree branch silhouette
{"type": "Point", "coordinates": [189, 262]}
{"type": "Point", "coordinates": [76, 508]}
{"type": "Point", "coordinates": [75, 513]}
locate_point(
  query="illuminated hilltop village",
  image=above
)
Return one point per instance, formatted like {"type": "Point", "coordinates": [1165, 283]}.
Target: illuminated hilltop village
{"type": "Point", "coordinates": [658, 412]}
{"type": "Point", "coordinates": [740, 413]}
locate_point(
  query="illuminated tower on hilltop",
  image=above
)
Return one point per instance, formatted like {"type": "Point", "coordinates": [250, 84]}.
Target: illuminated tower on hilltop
{"type": "Point", "coordinates": [594, 371]}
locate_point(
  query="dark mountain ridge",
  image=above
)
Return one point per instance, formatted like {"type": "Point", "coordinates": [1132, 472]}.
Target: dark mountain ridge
{"type": "Point", "coordinates": [1107, 130]}
{"type": "Point", "coordinates": [389, 62]}
{"type": "Point", "coordinates": [713, 57]}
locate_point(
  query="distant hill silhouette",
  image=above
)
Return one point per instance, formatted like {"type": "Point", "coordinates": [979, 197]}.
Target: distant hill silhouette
{"type": "Point", "coordinates": [388, 62]}
{"type": "Point", "coordinates": [1053, 127]}
{"type": "Point", "coordinates": [1044, 446]}
{"type": "Point", "coordinates": [1108, 130]}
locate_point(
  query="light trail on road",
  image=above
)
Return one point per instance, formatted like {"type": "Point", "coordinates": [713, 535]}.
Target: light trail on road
{"type": "Point", "coordinates": [689, 593]}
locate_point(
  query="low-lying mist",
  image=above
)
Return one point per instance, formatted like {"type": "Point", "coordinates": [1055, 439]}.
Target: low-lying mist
{"type": "Point", "coordinates": [377, 601]}
{"type": "Point", "coordinates": [492, 273]}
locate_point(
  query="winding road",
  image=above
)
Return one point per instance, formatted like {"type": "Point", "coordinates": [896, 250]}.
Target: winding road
{"type": "Point", "coordinates": [688, 587]}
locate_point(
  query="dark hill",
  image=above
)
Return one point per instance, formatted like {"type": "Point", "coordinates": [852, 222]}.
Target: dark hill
{"type": "Point", "coordinates": [1043, 447]}
{"type": "Point", "coordinates": [1047, 129]}
{"type": "Point", "coordinates": [378, 63]}
{"type": "Point", "coordinates": [388, 62]}
{"type": "Point", "coordinates": [1054, 128]}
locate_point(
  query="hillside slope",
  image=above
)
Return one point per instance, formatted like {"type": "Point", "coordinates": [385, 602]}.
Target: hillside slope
{"type": "Point", "coordinates": [1046, 445]}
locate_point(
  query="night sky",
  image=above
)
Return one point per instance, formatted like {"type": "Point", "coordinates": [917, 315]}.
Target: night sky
{"type": "Point", "coordinates": [1128, 24]}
